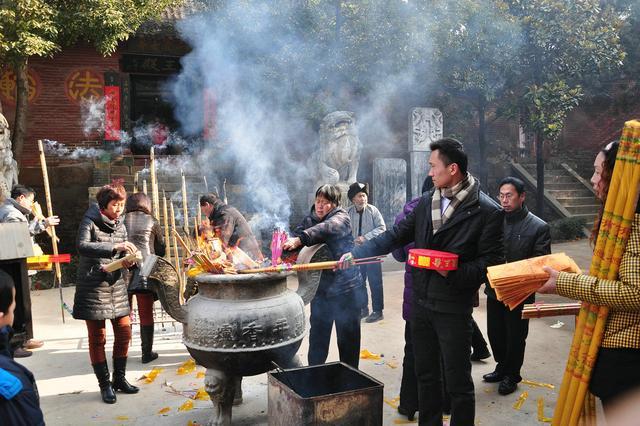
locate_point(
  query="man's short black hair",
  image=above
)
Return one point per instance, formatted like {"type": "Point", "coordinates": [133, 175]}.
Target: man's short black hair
{"type": "Point", "coordinates": [210, 198]}
{"type": "Point", "coordinates": [19, 190]}
{"type": "Point", "coordinates": [517, 184]}
{"type": "Point", "coordinates": [451, 151]}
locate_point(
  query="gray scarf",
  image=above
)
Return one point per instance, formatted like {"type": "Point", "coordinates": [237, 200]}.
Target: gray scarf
{"type": "Point", "coordinates": [456, 194]}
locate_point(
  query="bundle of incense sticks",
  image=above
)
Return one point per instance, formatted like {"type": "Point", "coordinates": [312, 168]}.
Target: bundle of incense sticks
{"type": "Point", "coordinates": [284, 267]}
{"type": "Point", "coordinates": [119, 264]}
{"type": "Point", "coordinates": [541, 309]}
{"type": "Point", "coordinates": [574, 403]}
{"type": "Point", "coordinates": [278, 238]}
{"type": "Point", "coordinates": [514, 282]}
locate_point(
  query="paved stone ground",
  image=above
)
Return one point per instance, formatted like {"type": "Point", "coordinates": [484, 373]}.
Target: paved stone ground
{"type": "Point", "coordinates": [69, 391]}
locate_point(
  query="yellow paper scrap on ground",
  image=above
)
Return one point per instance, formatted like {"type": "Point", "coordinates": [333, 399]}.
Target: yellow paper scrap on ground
{"type": "Point", "coordinates": [392, 364]}
{"type": "Point", "coordinates": [151, 375]}
{"type": "Point", "coordinates": [202, 395]}
{"type": "Point", "coordinates": [537, 384]}
{"type": "Point", "coordinates": [186, 406]}
{"type": "Point", "coordinates": [521, 399]}
{"type": "Point", "coordinates": [187, 367]}
{"type": "Point", "coordinates": [541, 417]}
{"type": "Point", "coordinates": [404, 421]}
{"type": "Point", "coordinates": [122, 418]}
{"type": "Point", "coordinates": [365, 354]}
{"type": "Point", "coordinates": [164, 410]}
{"type": "Point", "coordinates": [394, 402]}
{"type": "Point", "coordinates": [200, 375]}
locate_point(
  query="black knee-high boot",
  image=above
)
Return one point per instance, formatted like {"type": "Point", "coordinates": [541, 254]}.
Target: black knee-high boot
{"type": "Point", "coordinates": [146, 336]}
{"type": "Point", "coordinates": [101, 371]}
{"type": "Point", "coordinates": [119, 380]}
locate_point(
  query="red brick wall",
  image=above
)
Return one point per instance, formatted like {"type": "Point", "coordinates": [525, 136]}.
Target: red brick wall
{"type": "Point", "coordinates": [52, 114]}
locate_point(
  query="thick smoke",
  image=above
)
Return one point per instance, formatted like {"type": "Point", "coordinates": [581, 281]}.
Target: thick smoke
{"type": "Point", "coordinates": [265, 69]}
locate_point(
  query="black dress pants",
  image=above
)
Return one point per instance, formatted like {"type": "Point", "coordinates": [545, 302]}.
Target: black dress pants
{"type": "Point", "coordinates": [616, 372]}
{"type": "Point", "coordinates": [409, 382]}
{"type": "Point", "coordinates": [344, 311]}
{"type": "Point", "coordinates": [435, 333]}
{"type": "Point", "coordinates": [373, 274]}
{"type": "Point", "coordinates": [507, 336]}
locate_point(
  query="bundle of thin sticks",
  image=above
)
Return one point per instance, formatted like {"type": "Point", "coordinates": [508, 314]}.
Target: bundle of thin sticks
{"type": "Point", "coordinates": [514, 282]}
{"type": "Point", "coordinates": [574, 404]}
{"type": "Point", "coordinates": [541, 309]}
{"type": "Point", "coordinates": [315, 266]}
{"type": "Point", "coordinates": [206, 260]}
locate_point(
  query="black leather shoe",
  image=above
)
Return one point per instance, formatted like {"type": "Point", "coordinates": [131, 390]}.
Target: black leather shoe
{"type": "Point", "coordinates": [494, 377]}
{"type": "Point", "coordinates": [480, 354]}
{"type": "Point", "coordinates": [119, 381]}
{"type": "Point", "coordinates": [364, 312]}
{"type": "Point", "coordinates": [411, 414]}
{"type": "Point", "coordinates": [374, 317]}
{"type": "Point", "coordinates": [507, 386]}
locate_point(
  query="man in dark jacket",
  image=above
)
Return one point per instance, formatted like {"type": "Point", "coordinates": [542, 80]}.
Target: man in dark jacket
{"type": "Point", "coordinates": [525, 236]}
{"type": "Point", "coordinates": [229, 224]}
{"type": "Point", "coordinates": [455, 217]}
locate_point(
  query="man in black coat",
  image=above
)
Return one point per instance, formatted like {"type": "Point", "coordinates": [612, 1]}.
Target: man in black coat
{"type": "Point", "coordinates": [229, 224]}
{"type": "Point", "coordinates": [455, 217]}
{"type": "Point", "coordinates": [525, 236]}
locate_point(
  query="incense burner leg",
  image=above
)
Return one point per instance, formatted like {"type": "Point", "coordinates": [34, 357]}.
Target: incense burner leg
{"type": "Point", "coordinates": [221, 388]}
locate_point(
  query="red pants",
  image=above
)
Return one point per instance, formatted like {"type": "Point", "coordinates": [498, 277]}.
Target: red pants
{"type": "Point", "coordinates": [98, 338]}
{"type": "Point", "coordinates": [145, 307]}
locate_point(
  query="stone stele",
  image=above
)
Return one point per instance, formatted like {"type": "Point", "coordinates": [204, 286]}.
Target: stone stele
{"type": "Point", "coordinates": [8, 166]}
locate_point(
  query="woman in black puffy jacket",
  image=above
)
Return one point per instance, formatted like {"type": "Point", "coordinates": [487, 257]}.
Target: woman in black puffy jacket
{"type": "Point", "coordinates": [144, 231]}
{"type": "Point", "coordinates": [100, 295]}
{"type": "Point", "coordinates": [341, 293]}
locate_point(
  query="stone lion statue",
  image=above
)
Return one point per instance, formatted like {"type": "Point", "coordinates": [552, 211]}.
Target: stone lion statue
{"type": "Point", "coordinates": [8, 166]}
{"type": "Point", "coordinates": [338, 157]}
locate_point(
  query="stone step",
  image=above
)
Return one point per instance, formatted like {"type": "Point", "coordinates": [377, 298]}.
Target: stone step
{"type": "Point", "coordinates": [578, 201]}
{"type": "Point", "coordinates": [559, 178]}
{"type": "Point", "coordinates": [565, 186]}
{"type": "Point", "coordinates": [592, 209]}
{"type": "Point", "coordinates": [568, 193]}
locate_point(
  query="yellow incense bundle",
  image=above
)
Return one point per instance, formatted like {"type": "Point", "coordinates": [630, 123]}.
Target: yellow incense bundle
{"type": "Point", "coordinates": [119, 264]}
{"type": "Point", "coordinates": [613, 234]}
{"type": "Point", "coordinates": [514, 282]}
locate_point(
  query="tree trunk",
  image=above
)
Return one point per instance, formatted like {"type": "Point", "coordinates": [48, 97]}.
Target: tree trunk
{"type": "Point", "coordinates": [539, 143]}
{"type": "Point", "coordinates": [22, 104]}
{"type": "Point", "coordinates": [482, 130]}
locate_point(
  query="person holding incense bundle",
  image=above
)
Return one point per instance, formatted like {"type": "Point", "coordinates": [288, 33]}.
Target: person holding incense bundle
{"type": "Point", "coordinates": [525, 236]}
{"type": "Point", "coordinates": [20, 208]}
{"type": "Point", "coordinates": [617, 368]}
{"type": "Point", "coordinates": [455, 217]}
{"type": "Point", "coordinates": [101, 295]}
{"type": "Point", "coordinates": [144, 231]}
{"type": "Point", "coordinates": [229, 224]}
{"type": "Point", "coordinates": [341, 293]}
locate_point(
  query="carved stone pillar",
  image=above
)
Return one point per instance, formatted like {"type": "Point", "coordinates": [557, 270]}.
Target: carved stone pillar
{"type": "Point", "coordinates": [425, 126]}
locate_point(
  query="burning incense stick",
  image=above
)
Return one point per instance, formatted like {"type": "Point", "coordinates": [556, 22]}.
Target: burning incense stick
{"type": "Point", "coordinates": [185, 210]}
{"type": "Point", "coordinates": [135, 182]}
{"type": "Point", "coordinates": [198, 214]}
{"type": "Point", "coordinates": [174, 241]}
{"type": "Point", "coordinates": [54, 238]}
{"type": "Point", "coordinates": [206, 185]}
{"type": "Point", "coordinates": [224, 191]}
{"type": "Point", "coordinates": [154, 184]}
{"type": "Point", "coordinates": [165, 220]}
{"type": "Point", "coordinates": [332, 264]}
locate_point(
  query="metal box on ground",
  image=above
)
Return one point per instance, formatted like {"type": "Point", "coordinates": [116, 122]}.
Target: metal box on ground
{"type": "Point", "coordinates": [327, 394]}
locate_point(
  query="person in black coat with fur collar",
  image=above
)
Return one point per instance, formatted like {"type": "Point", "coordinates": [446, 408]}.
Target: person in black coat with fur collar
{"type": "Point", "coordinates": [100, 295]}
{"type": "Point", "coordinates": [341, 294]}
{"type": "Point", "coordinates": [454, 217]}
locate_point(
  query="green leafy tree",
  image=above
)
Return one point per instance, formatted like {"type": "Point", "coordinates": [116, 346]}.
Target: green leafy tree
{"type": "Point", "coordinates": [475, 43]}
{"type": "Point", "coordinates": [565, 43]}
{"type": "Point", "coordinates": [41, 27]}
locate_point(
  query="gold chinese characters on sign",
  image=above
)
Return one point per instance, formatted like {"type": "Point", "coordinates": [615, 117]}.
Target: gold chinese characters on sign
{"type": "Point", "coordinates": [8, 85]}
{"type": "Point", "coordinates": [84, 84]}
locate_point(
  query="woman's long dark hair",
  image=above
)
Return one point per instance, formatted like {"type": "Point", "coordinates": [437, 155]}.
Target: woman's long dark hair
{"type": "Point", "coordinates": [138, 202]}
{"type": "Point", "coordinates": [610, 152]}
